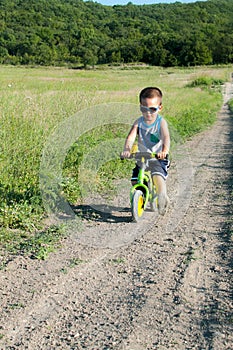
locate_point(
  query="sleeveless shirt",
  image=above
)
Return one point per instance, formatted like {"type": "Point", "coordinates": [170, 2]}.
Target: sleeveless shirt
{"type": "Point", "coordinates": [149, 136]}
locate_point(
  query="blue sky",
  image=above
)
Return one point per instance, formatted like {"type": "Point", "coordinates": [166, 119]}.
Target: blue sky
{"type": "Point", "coordinates": [139, 2]}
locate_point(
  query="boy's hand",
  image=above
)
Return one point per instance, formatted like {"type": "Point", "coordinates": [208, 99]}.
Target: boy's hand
{"type": "Point", "coordinates": [162, 155]}
{"type": "Point", "coordinates": [125, 154]}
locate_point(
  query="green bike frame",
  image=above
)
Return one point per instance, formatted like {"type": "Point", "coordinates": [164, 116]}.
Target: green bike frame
{"type": "Point", "coordinates": [144, 184]}
{"type": "Point", "coordinates": [144, 179]}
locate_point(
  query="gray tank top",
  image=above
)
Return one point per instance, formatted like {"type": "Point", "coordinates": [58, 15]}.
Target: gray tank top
{"type": "Point", "coordinates": [149, 136]}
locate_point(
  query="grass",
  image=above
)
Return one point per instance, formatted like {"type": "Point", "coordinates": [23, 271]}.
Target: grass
{"type": "Point", "coordinates": [189, 256]}
{"type": "Point", "coordinates": [36, 245]}
{"type": "Point", "coordinates": [230, 103]}
{"type": "Point", "coordinates": [72, 263]}
{"type": "Point", "coordinates": [35, 100]}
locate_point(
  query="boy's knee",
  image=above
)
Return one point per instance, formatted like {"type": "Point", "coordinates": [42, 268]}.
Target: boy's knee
{"type": "Point", "coordinates": [158, 179]}
{"type": "Point", "coordinates": [160, 183]}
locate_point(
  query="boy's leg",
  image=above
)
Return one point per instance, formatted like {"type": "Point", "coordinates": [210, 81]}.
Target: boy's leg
{"type": "Point", "coordinates": [161, 189]}
{"type": "Point", "coordinates": [134, 178]}
{"type": "Point", "coordinates": [159, 174]}
{"type": "Point", "coordinates": [160, 184]}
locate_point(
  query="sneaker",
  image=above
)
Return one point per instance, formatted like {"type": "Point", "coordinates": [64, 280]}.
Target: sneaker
{"type": "Point", "coordinates": [163, 202]}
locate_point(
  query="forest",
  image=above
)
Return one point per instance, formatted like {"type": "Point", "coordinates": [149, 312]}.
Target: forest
{"type": "Point", "coordinates": [77, 33]}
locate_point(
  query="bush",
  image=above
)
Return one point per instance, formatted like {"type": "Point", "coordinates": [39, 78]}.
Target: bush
{"type": "Point", "coordinates": [206, 82]}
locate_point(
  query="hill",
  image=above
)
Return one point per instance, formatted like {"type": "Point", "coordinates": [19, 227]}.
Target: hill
{"type": "Point", "coordinates": [74, 32]}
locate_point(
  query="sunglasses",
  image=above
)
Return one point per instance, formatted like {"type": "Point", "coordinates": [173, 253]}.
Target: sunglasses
{"type": "Point", "coordinates": [151, 110]}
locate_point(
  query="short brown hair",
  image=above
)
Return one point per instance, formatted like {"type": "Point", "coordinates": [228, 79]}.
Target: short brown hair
{"type": "Point", "coordinates": [151, 92]}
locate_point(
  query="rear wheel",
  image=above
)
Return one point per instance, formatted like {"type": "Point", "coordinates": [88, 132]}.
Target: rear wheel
{"type": "Point", "coordinates": [137, 205]}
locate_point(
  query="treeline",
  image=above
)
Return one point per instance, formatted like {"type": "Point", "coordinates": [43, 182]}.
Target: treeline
{"type": "Point", "coordinates": [74, 32]}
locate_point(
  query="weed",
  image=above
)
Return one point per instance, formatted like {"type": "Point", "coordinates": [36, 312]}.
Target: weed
{"type": "Point", "coordinates": [37, 245]}
{"type": "Point", "coordinates": [230, 104]}
{"type": "Point", "coordinates": [3, 265]}
{"type": "Point", "coordinates": [117, 260]}
{"type": "Point", "coordinates": [75, 261]}
{"type": "Point", "coordinates": [72, 263]}
{"type": "Point", "coordinates": [189, 256]}
{"type": "Point", "coordinates": [64, 270]}
{"type": "Point", "coordinates": [16, 306]}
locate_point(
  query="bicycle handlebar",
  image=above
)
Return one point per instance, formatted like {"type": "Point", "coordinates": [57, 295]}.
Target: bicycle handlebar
{"type": "Point", "coordinates": [140, 155]}
{"type": "Point", "coordinates": [146, 155]}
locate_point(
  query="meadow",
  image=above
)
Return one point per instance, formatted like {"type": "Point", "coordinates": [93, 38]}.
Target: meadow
{"type": "Point", "coordinates": [35, 100]}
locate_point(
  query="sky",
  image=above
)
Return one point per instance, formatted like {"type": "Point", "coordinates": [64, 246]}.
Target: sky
{"type": "Point", "coordinates": [140, 2]}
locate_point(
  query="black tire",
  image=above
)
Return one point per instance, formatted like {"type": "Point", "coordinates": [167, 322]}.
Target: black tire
{"type": "Point", "coordinates": [137, 205]}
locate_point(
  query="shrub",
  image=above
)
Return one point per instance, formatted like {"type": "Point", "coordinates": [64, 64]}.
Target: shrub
{"type": "Point", "coordinates": [206, 82]}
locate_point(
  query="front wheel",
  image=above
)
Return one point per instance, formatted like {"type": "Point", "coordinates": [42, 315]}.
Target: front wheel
{"type": "Point", "coordinates": [137, 205]}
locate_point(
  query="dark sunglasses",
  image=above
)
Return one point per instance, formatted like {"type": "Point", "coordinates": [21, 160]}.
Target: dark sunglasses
{"type": "Point", "coordinates": [151, 110]}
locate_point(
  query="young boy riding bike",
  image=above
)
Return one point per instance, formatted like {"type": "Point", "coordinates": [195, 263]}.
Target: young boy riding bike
{"type": "Point", "coordinates": [152, 132]}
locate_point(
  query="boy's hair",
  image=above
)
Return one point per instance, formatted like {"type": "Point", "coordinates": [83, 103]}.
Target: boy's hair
{"type": "Point", "coordinates": [151, 92]}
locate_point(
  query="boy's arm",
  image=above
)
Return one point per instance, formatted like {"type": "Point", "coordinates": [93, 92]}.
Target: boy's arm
{"type": "Point", "coordinates": [130, 140]}
{"type": "Point", "coordinates": [165, 139]}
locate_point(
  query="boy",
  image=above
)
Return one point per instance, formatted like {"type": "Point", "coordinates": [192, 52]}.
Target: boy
{"type": "Point", "coordinates": [153, 136]}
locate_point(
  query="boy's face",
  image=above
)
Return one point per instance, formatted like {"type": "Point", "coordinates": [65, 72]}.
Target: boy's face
{"type": "Point", "coordinates": [150, 108]}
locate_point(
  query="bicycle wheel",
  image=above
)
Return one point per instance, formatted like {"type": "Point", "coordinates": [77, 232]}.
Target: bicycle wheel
{"type": "Point", "coordinates": [137, 205]}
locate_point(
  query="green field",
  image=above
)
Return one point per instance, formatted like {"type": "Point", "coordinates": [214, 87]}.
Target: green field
{"type": "Point", "coordinates": [35, 100]}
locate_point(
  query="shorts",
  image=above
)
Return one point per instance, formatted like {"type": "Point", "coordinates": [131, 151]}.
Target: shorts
{"type": "Point", "coordinates": [156, 167]}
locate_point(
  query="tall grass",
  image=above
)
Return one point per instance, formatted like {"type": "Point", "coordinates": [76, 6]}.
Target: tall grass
{"type": "Point", "coordinates": [35, 100]}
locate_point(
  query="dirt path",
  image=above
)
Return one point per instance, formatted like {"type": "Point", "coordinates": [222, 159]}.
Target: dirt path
{"type": "Point", "coordinates": [159, 285]}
